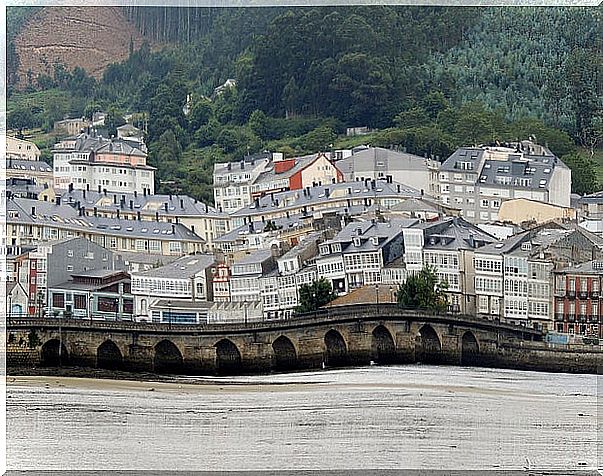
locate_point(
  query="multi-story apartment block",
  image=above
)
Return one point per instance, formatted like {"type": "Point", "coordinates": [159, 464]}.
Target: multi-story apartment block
{"type": "Point", "coordinates": [246, 273]}
{"type": "Point", "coordinates": [21, 149]}
{"type": "Point", "coordinates": [233, 180]}
{"type": "Point", "coordinates": [477, 179]}
{"type": "Point", "coordinates": [377, 163]}
{"type": "Point", "coordinates": [202, 219]}
{"type": "Point", "coordinates": [578, 299]}
{"type": "Point", "coordinates": [186, 279]}
{"type": "Point", "coordinates": [449, 247]}
{"type": "Point", "coordinates": [88, 161]}
{"type": "Point", "coordinates": [30, 222]}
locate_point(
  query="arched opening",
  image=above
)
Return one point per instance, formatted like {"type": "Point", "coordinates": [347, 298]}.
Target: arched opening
{"type": "Point", "coordinates": [16, 310]}
{"type": "Point", "coordinates": [54, 353]}
{"type": "Point", "coordinates": [168, 359]}
{"type": "Point", "coordinates": [285, 357]}
{"type": "Point", "coordinates": [108, 356]}
{"type": "Point", "coordinates": [228, 357]}
{"type": "Point", "coordinates": [383, 346]}
{"type": "Point", "coordinates": [469, 349]}
{"type": "Point", "coordinates": [428, 346]}
{"type": "Point", "coordinates": [336, 349]}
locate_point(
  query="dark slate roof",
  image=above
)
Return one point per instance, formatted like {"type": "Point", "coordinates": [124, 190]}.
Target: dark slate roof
{"type": "Point", "coordinates": [178, 205]}
{"type": "Point", "coordinates": [454, 234]}
{"type": "Point", "coordinates": [27, 165]}
{"type": "Point", "coordinates": [65, 216]}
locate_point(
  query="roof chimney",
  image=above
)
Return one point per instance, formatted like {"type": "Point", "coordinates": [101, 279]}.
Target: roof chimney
{"type": "Point", "coordinates": [156, 216]}
{"type": "Point", "coordinates": [114, 199]}
{"type": "Point", "coordinates": [135, 193]}
{"type": "Point", "coordinates": [131, 204]}
{"type": "Point", "coordinates": [144, 192]}
{"type": "Point", "coordinates": [70, 187]}
{"type": "Point", "coordinates": [33, 210]}
{"type": "Point", "coordinates": [58, 200]}
{"type": "Point", "coordinates": [84, 193]}
{"type": "Point", "coordinates": [173, 229]}
{"type": "Point", "coordinates": [138, 217]}
{"type": "Point", "coordinates": [118, 213]}
{"type": "Point", "coordinates": [398, 188]}
{"type": "Point", "coordinates": [165, 206]}
{"type": "Point", "coordinates": [99, 189]}
{"type": "Point", "coordinates": [105, 191]}
{"type": "Point", "coordinates": [181, 203]}
{"type": "Point", "coordinates": [88, 187]}
{"type": "Point", "coordinates": [95, 211]}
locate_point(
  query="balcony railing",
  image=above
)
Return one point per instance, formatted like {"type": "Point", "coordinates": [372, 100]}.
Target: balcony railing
{"type": "Point", "coordinates": [583, 294]}
{"type": "Point", "coordinates": [559, 292]}
{"type": "Point", "coordinates": [593, 319]}
{"type": "Point", "coordinates": [571, 294]}
{"type": "Point", "coordinates": [581, 317]}
{"type": "Point", "coordinates": [571, 317]}
{"type": "Point", "coordinates": [559, 317]}
{"type": "Point", "coordinates": [595, 294]}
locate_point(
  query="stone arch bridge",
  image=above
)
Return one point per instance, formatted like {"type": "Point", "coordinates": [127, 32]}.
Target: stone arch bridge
{"type": "Point", "coordinates": [335, 337]}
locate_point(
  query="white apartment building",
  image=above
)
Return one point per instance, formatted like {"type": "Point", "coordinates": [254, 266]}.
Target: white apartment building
{"type": "Point", "coordinates": [89, 161]}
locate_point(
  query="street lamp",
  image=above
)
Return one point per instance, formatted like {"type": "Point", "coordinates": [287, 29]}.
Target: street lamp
{"type": "Point", "coordinates": [169, 303]}
{"type": "Point", "coordinates": [116, 309]}
{"type": "Point", "coordinates": [391, 293]}
{"type": "Point", "coordinates": [40, 304]}
{"type": "Point", "coordinates": [245, 311]}
{"type": "Point", "coordinates": [377, 293]}
{"type": "Point", "coordinates": [90, 304]}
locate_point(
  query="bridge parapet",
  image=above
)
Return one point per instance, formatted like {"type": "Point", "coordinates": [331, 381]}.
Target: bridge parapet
{"type": "Point", "coordinates": [331, 315]}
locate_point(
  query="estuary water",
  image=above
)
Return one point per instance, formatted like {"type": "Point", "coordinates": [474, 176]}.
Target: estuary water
{"type": "Point", "coordinates": [412, 417]}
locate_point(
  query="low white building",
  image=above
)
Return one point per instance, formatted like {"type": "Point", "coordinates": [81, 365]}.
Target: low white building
{"type": "Point", "coordinates": [185, 279]}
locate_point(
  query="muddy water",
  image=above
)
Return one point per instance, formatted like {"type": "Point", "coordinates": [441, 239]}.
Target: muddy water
{"type": "Point", "coordinates": [377, 417]}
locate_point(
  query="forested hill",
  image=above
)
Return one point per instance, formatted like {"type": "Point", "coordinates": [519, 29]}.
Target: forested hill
{"type": "Point", "coordinates": [428, 78]}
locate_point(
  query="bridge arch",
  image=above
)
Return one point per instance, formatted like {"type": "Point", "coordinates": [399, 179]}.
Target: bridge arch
{"type": "Point", "coordinates": [285, 355]}
{"type": "Point", "coordinates": [228, 357]}
{"type": "Point", "coordinates": [167, 358]}
{"type": "Point", "coordinates": [108, 356]}
{"type": "Point", "coordinates": [336, 354]}
{"type": "Point", "coordinates": [383, 347]}
{"type": "Point", "coordinates": [469, 349]}
{"type": "Point", "coordinates": [428, 348]}
{"type": "Point", "coordinates": [50, 355]}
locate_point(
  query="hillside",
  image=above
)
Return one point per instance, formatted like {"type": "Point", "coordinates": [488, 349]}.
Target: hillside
{"type": "Point", "coordinates": [88, 37]}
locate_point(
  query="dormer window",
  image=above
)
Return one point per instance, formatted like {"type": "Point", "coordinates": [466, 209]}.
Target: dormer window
{"type": "Point", "coordinates": [356, 241]}
{"type": "Point", "coordinates": [324, 249]}
{"type": "Point", "coordinates": [375, 241]}
{"type": "Point", "coordinates": [526, 246]}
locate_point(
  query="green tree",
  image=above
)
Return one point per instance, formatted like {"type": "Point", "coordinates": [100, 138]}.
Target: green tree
{"type": "Point", "coordinates": [315, 295]}
{"type": "Point", "coordinates": [113, 119]}
{"type": "Point", "coordinates": [201, 111]}
{"type": "Point", "coordinates": [584, 176]}
{"type": "Point", "coordinates": [423, 290]}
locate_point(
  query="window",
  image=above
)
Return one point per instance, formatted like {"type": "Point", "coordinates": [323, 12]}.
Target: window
{"type": "Point", "coordinates": [69, 267]}
{"type": "Point", "coordinates": [58, 300]}
{"type": "Point", "coordinates": [79, 301]}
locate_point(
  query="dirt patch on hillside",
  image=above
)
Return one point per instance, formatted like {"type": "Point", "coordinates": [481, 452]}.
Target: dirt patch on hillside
{"type": "Point", "coordinates": [88, 37]}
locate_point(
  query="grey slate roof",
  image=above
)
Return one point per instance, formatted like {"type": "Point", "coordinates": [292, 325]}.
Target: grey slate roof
{"type": "Point", "coordinates": [65, 216]}
{"type": "Point", "coordinates": [257, 256]}
{"type": "Point", "coordinates": [178, 205]}
{"type": "Point", "coordinates": [182, 268]}
{"type": "Point", "coordinates": [317, 195]}
{"type": "Point", "coordinates": [369, 159]}
{"type": "Point", "coordinates": [590, 267]}
{"type": "Point", "coordinates": [384, 232]}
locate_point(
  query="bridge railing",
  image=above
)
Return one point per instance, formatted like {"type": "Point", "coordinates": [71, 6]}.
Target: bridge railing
{"type": "Point", "coordinates": [336, 313]}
